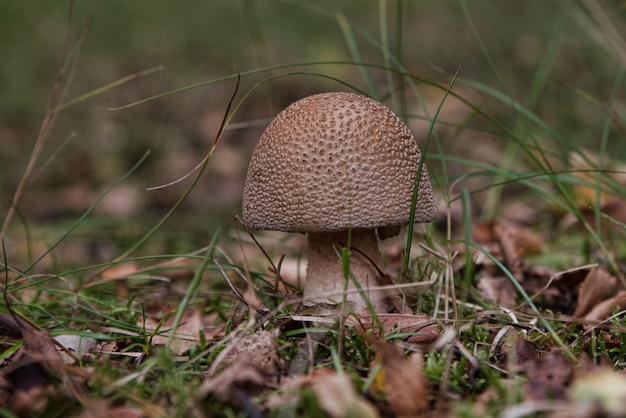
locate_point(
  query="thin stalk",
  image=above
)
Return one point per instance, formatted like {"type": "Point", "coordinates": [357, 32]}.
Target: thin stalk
{"type": "Point", "coordinates": [351, 43]}
{"type": "Point", "coordinates": [384, 42]}
{"type": "Point", "coordinates": [420, 168]}
{"type": "Point", "coordinates": [193, 285]}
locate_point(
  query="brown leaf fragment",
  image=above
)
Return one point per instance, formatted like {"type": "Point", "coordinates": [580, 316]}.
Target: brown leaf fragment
{"type": "Point", "coordinates": [28, 374]}
{"type": "Point", "coordinates": [524, 350]}
{"type": "Point", "coordinates": [40, 346]}
{"type": "Point", "coordinates": [9, 326]}
{"type": "Point", "coordinates": [508, 240]}
{"type": "Point", "coordinates": [499, 290]}
{"type": "Point", "coordinates": [400, 380]}
{"type": "Point", "coordinates": [420, 329]}
{"type": "Point", "coordinates": [518, 240]}
{"type": "Point", "coordinates": [183, 338]}
{"type": "Point", "coordinates": [260, 349]}
{"type": "Point", "coordinates": [119, 271]}
{"type": "Point", "coordinates": [28, 402]}
{"type": "Point", "coordinates": [603, 310]}
{"type": "Point", "coordinates": [249, 364]}
{"type": "Point", "coordinates": [336, 395]}
{"type": "Point", "coordinates": [101, 409]}
{"type": "Point", "coordinates": [179, 268]}
{"type": "Point", "coordinates": [549, 377]}
{"type": "Point", "coordinates": [227, 386]}
{"type": "Point", "coordinates": [598, 284]}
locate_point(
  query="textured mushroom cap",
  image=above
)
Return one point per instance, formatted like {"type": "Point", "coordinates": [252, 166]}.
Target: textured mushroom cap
{"type": "Point", "coordinates": [334, 161]}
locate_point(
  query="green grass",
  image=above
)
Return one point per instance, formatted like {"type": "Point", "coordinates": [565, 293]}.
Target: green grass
{"type": "Point", "coordinates": [499, 108]}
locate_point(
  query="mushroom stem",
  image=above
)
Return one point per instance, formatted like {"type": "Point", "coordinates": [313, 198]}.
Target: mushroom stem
{"type": "Point", "coordinates": [325, 278]}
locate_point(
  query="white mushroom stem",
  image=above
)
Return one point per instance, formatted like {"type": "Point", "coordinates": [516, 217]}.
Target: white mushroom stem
{"type": "Point", "coordinates": [325, 280]}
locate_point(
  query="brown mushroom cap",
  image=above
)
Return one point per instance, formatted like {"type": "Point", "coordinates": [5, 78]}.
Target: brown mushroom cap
{"type": "Point", "coordinates": [334, 161]}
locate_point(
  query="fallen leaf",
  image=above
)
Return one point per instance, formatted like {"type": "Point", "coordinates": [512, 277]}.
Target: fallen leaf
{"type": "Point", "coordinates": [400, 380]}
{"type": "Point", "coordinates": [417, 329]}
{"type": "Point", "coordinates": [336, 395]}
{"type": "Point", "coordinates": [39, 346]}
{"type": "Point", "coordinates": [520, 240]}
{"type": "Point", "coordinates": [185, 336]}
{"type": "Point", "coordinates": [334, 391]}
{"type": "Point", "coordinates": [598, 284]}
{"type": "Point", "coordinates": [9, 326]}
{"type": "Point", "coordinates": [237, 379]}
{"type": "Point", "coordinates": [549, 377]}
{"type": "Point", "coordinates": [119, 271]}
{"type": "Point", "coordinates": [498, 289]}
{"type": "Point", "coordinates": [248, 364]}
{"type": "Point", "coordinates": [603, 310]}
{"type": "Point", "coordinates": [102, 409]}
{"type": "Point", "coordinates": [260, 349]}
{"type": "Point", "coordinates": [592, 190]}
{"type": "Point", "coordinates": [30, 369]}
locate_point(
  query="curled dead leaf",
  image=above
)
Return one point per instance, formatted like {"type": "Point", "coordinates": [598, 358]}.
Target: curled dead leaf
{"type": "Point", "coordinates": [603, 310]}
{"type": "Point", "coordinates": [598, 284]}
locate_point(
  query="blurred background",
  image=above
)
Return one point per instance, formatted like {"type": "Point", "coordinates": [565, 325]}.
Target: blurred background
{"type": "Point", "coordinates": [561, 62]}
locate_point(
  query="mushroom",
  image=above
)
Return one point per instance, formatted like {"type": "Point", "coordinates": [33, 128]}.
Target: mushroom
{"type": "Point", "coordinates": [338, 167]}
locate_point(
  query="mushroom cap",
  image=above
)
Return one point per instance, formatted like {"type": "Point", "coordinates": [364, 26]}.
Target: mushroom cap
{"type": "Point", "coordinates": [334, 161]}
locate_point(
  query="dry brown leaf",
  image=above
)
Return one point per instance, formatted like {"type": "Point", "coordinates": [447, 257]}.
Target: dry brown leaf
{"type": "Point", "coordinates": [585, 166]}
{"type": "Point", "coordinates": [101, 409]}
{"type": "Point", "coordinates": [239, 377]}
{"type": "Point", "coordinates": [179, 268]}
{"type": "Point", "coordinates": [119, 271]}
{"type": "Point", "coordinates": [259, 349]}
{"type": "Point", "coordinates": [30, 401]}
{"type": "Point", "coordinates": [549, 377]}
{"type": "Point", "coordinates": [39, 346]}
{"type": "Point", "coordinates": [499, 290]}
{"type": "Point", "coordinates": [336, 395]}
{"type": "Point", "coordinates": [28, 373]}
{"type": "Point", "coordinates": [334, 391]}
{"type": "Point", "coordinates": [186, 335]}
{"type": "Point", "coordinates": [400, 380]}
{"type": "Point", "coordinates": [521, 239]}
{"type": "Point", "coordinates": [9, 326]}
{"type": "Point", "coordinates": [603, 310]}
{"type": "Point", "coordinates": [423, 330]}
{"type": "Point", "coordinates": [249, 364]}
{"type": "Point", "coordinates": [598, 284]}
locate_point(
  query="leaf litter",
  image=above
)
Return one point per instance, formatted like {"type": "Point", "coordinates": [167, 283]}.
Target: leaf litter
{"type": "Point", "coordinates": [251, 371]}
{"type": "Point", "coordinates": [251, 364]}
